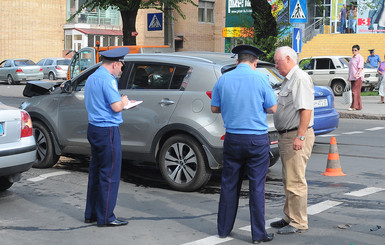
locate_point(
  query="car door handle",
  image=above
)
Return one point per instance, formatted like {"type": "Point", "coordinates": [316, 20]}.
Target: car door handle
{"type": "Point", "coordinates": [332, 72]}
{"type": "Point", "coordinates": [166, 102]}
{"type": "Point", "coordinates": [310, 73]}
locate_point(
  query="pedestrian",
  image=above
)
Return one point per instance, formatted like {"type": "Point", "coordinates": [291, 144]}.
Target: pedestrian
{"type": "Point", "coordinates": [244, 97]}
{"type": "Point", "coordinates": [381, 73]}
{"type": "Point", "coordinates": [352, 19]}
{"type": "Point", "coordinates": [104, 105]}
{"type": "Point", "coordinates": [373, 59]}
{"type": "Point", "coordinates": [294, 120]}
{"type": "Point", "coordinates": [356, 77]}
{"type": "Point", "coordinates": [342, 17]}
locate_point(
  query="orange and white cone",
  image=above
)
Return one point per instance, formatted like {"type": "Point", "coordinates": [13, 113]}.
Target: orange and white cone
{"type": "Point", "coordinates": [333, 167]}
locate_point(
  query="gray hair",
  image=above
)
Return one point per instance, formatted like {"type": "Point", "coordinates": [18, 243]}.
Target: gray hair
{"type": "Point", "coordinates": [287, 51]}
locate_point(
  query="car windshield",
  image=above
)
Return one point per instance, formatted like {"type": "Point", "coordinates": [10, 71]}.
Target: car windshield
{"type": "Point", "coordinates": [63, 62]}
{"type": "Point", "coordinates": [24, 63]}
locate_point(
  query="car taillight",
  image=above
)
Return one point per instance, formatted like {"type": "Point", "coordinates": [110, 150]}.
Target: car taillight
{"type": "Point", "coordinates": [26, 125]}
{"type": "Point", "coordinates": [58, 68]}
{"type": "Point", "coordinates": [209, 93]}
{"type": "Point", "coordinates": [19, 70]}
{"type": "Point", "coordinates": [41, 69]}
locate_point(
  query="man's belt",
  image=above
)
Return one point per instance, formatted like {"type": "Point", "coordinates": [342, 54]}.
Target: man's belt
{"type": "Point", "coordinates": [288, 130]}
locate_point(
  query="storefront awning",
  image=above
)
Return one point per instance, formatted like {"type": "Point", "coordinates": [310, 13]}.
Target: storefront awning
{"type": "Point", "coordinates": [100, 32]}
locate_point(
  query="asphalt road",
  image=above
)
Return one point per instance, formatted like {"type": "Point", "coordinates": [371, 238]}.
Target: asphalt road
{"type": "Point", "coordinates": [47, 205]}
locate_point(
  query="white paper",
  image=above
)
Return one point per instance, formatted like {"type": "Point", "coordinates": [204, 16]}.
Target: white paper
{"type": "Point", "coordinates": [132, 104]}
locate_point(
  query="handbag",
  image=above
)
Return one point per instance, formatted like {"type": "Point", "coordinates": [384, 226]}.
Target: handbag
{"type": "Point", "coordinates": [347, 94]}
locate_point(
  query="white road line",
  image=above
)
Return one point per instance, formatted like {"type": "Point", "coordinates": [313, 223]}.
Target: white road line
{"type": "Point", "coordinates": [365, 191]}
{"type": "Point", "coordinates": [211, 240]}
{"type": "Point", "coordinates": [267, 225]}
{"type": "Point", "coordinates": [374, 129]}
{"type": "Point", "coordinates": [44, 176]}
{"type": "Point", "coordinates": [322, 206]}
{"type": "Point", "coordinates": [328, 135]}
{"type": "Point", "coordinates": [354, 132]}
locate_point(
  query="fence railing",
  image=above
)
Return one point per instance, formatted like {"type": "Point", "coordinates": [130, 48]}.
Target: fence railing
{"type": "Point", "coordinates": [312, 30]}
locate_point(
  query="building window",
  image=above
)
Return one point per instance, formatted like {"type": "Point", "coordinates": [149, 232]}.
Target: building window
{"type": "Point", "coordinates": [68, 42]}
{"type": "Point", "coordinates": [206, 11]}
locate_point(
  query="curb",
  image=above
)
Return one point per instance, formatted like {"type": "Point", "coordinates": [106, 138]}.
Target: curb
{"type": "Point", "coordinates": [361, 116]}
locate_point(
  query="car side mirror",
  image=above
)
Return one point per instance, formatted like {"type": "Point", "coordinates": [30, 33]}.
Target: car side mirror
{"type": "Point", "coordinates": [66, 87]}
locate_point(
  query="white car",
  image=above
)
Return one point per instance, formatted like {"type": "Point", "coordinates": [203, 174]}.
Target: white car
{"type": "Point", "coordinates": [333, 71]}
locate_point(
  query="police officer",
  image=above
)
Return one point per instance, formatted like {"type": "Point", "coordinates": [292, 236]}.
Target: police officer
{"type": "Point", "coordinates": [104, 105]}
{"type": "Point", "coordinates": [244, 96]}
{"type": "Point", "coordinates": [373, 59]}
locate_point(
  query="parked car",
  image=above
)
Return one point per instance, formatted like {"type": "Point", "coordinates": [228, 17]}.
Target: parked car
{"type": "Point", "coordinates": [17, 145]}
{"type": "Point", "coordinates": [173, 127]}
{"type": "Point", "coordinates": [16, 70]}
{"type": "Point", "coordinates": [54, 68]}
{"type": "Point", "coordinates": [333, 71]}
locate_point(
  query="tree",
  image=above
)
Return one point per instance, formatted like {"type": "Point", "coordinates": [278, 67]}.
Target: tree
{"type": "Point", "coordinates": [129, 11]}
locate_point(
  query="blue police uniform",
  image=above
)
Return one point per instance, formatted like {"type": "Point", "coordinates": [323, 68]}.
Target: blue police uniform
{"type": "Point", "coordinates": [243, 94]}
{"type": "Point", "coordinates": [101, 90]}
{"type": "Point", "coordinates": [374, 60]}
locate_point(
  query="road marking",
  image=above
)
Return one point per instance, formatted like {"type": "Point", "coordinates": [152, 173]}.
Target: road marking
{"type": "Point", "coordinates": [45, 176]}
{"type": "Point", "coordinates": [365, 191]}
{"type": "Point", "coordinates": [328, 135]}
{"type": "Point", "coordinates": [322, 206]}
{"type": "Point", "coordinates": [267, 225]}
{"type": "Point", "coordinates": [374, 129]}
{"type": "Point", "coordinates": [211, 240]}
{"type": "Point", "coordinates": [354, 132]}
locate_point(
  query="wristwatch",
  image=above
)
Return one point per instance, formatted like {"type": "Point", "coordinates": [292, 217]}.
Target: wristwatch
{"type": "Point", "coordinates": [302, 138]}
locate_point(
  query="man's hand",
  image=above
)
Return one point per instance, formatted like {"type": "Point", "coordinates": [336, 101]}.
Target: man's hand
{"type": "Point", "coordinates": [297, 144]}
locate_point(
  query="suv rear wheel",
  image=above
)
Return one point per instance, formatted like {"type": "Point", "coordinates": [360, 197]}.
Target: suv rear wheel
{"type": "Point", "coordinates": [46, 156]}
{"type": "Point", "coordinates": [182, 163]}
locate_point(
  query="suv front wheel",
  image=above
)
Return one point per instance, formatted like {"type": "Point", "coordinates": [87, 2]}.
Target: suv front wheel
{"type": "Point", "coordinates": [182, 163]}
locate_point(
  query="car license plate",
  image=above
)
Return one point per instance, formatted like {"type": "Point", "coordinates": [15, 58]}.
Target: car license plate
{"type": "Point", "coordinates": [320, 103]}
{"type": "Point", "coordinates": [1, 129]}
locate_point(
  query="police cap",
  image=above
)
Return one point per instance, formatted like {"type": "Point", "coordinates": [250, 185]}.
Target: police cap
{"type": "Point", "coordinates": [115, 54]}
{"type": "Point", "coordinates": [371, 50]}
{"type": "Point", "coordinates": [247, 49]}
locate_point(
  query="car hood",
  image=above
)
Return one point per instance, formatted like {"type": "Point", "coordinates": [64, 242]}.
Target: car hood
{"type": "Point", "coordinates": [36, 88]}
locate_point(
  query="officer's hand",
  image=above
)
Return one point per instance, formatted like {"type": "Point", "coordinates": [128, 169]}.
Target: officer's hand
{"type": "Point", "coordinates": [124, 100]}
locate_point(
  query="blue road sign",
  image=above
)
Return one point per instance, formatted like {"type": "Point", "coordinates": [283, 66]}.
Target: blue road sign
{"type": "Point", "coordinates": [154, 22]}
{"type": "Point", "coordinates": [298, 11]}
{"type": "Point", "coordinates": [297, 40]}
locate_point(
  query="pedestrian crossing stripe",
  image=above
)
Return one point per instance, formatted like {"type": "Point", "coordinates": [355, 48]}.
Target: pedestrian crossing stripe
{"type": "Point", "coordinates": [154, 23]}
{"type": "Point", "coordinates": [298, 12]}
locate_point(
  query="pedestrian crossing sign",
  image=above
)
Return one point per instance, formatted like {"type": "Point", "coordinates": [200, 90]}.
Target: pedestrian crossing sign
{"type": "Point", "coordinates": [154, 22]}
{"type": "Point", "coordinates": [298, 11]}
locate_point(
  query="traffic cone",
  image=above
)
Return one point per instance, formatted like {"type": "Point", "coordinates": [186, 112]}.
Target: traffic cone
{"type": "Point", "coordinates": [333, 167]}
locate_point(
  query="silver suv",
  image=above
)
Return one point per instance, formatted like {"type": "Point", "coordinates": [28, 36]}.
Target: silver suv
{"type": "Point", "coordinates": [173, 127]}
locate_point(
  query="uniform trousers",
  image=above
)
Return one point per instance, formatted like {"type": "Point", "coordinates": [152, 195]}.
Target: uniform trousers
{"type": "Point", "coordinates": [356, 94]}
{"type": "Point", "coordinates": [104, 173]}
{"type": "Point", "coordinates": [293, 177]}
{"type": "Point", "coordinates": [251, 153]}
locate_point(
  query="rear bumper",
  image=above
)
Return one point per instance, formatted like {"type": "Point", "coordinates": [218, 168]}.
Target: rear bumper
{"type": "Point", "coordinates": [325, 122]}
{"type": "Point", "coordinates": [17, 160]}
{"type": "Point", "coordinates": [20, 77]}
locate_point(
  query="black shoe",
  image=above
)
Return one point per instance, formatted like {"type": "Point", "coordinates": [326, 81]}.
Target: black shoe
{"type": "Point", "coordinates": [279, 224]}
{"type": "Point", "coordinates": [92, 220]}
{"type": "Point", "coordinates": [290, 230]}
{"type": "Point", "coordinates": [268, 238]}
{"type": "Point", "coordinates": [114, 223]}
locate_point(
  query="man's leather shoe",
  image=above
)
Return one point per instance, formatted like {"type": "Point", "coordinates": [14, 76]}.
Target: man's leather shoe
{"type": "Point", "coordinates": [92, 220]}
{"type": "Point", "coordinates": [290, 230]}
{"type": "Point", "coordinates": [114, 223]}
{"type": "Point", "coordinates": [268, 238]}
{"type": "Point", "coordinates": [279, 224]}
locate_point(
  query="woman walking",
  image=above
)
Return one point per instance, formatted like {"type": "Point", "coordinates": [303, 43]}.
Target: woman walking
{"type": "Point", "coordinates": [356, 76]}
{"type": "Point", "coordinates": [381, 72]}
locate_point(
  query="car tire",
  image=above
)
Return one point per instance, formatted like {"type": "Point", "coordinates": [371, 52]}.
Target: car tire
{"type": "Point", "coordinates": [46, 156]}
{"type": "Point", "coordinates": [10, 80]}
{"type": "Point", "coordinates": [5, 183]}
{"type": "Point", "coordinates": [182, 163]}
{"type": "Point", "coordinates": [338, 87]}
{"type": "Point", "coordinates": [51, 76]}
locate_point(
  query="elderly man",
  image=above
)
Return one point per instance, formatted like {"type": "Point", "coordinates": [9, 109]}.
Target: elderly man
{"type": "Point", "coordinates": [294, 120]}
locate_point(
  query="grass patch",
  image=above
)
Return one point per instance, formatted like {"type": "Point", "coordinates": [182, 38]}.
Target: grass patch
{"type": "Point", "coordinates": [369, 93]}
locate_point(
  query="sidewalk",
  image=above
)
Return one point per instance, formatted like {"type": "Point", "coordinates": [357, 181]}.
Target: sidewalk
{"type": "Point", "coordinates": [370, 108]}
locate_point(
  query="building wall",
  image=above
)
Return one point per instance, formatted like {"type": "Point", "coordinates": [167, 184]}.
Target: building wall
{"type": "Point", "coordinates": [147, 37]}
{"type": "Point", "coordinates": [32, 28]}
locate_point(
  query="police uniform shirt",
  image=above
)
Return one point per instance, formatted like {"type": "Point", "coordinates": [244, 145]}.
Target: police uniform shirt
{"type": "Point", "coordinates": [374, 60]}
{"type": "Point", "coordinates": [101, 90]}
{"type": "Point", "coordinates": [243, 94]}
{"type": "Point", "coordinates": [297, 92]}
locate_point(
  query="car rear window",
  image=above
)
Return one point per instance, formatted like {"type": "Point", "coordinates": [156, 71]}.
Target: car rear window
{"type": "Point", "coordinates": [63, 62]}
{"type": "Point", "coordinates": [24, 63]}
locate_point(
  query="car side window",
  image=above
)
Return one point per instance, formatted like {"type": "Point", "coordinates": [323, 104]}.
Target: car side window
{"type": "Point", "coordinates": [41, 62]}
{"type": "Point", "coordinates": [8, 64]}
{"type": "Point", "coordinates": [307, 64]}
{"type": "Point", "coordinates": [157, 76]}
{"type": "Point", "coordinates": [325, 64]}
{"type": "Point", "coordinates": [48, 62]}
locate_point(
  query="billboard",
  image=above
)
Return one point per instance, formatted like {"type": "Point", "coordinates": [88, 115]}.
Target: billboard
{"type": "Point", "coordinates": [371, 16]}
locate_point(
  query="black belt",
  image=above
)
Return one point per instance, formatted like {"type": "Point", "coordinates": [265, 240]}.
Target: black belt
{"type": "Point", "coordinates": [288, 130]}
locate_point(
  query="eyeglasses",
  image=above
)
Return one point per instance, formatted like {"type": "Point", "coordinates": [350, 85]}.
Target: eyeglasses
{"type": "Point", "coordinates": [354, 50]}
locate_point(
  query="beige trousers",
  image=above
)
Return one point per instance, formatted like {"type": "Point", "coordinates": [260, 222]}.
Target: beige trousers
{"type": "Point", "coordinates": [293, 177]}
